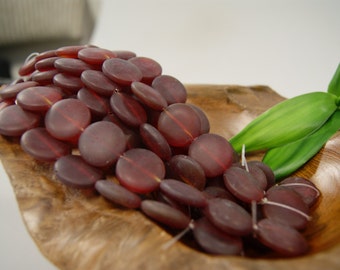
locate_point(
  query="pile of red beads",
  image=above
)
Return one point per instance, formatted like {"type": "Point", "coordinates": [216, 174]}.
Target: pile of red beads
{"type": "Point", "coordinates": [124, 116]}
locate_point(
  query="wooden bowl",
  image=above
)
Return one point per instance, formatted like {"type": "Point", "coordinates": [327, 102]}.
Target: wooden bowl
{"type": "Point", "coordinates": [76, 230]}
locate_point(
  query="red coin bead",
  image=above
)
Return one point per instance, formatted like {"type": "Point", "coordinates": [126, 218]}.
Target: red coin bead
{"type": "Point", "coordinates": [213, 152]}
{"type": "Point", "coordinates": [285, 240]}
{"type": "Point", "coordinates": [305, 188]}
{"type": "Point", "coordinates": [118, 194]}
{"type": "Point", "coordinates": [67, 119]}
{"type": "Point", "coordinates": [256, 172]}
{"type": "Point", "coordinates": [98, 105]}
{"type": "Point", "coordinates": [165, 214]}
{"type": "Point", "coordinates": [46, 54]}
{"type": "Point", "coordinates": [242, 185]}
{"type": "Point", "coordinates": [155, 141]}
{"type": "Point", "coordinates": [128, 109]}
{"type": "Point", "coordinates": [148, 96]}
{"type": "Point", "coordinates": [150, 68]}
{"type": "Point", "coordinates": [74, 172]}
{"type": "Point", "coordinates": [69, 51]}
{"type": "Point", "coordinates": [215, 241]}
{"type": "Point", "coordinates": [102, 143]}
{"type": "Point", "coordinates": [71, 66]}
{"type": "Point", "coordinates": [183, 193]}
{"type": "Point", "coordinates": [170, 88]}
{"type": "Point", "coordinates": [44, 77]}
{"type": "Point", "coordinates": [42, 146]}
{"type": "Point", "coordinates": [95, 56]}
{"type": "Point", "coordinates": [14, 120]}
{"type": "Point", "coordinates": [68, 83]}
{"type": "Point", "coordinates": [46, 64]}
{"type": "Point", "coordinates": [205, 124]}
{"type": "Point", "coordinates": [179, 124]}
{"type": "Point", "coordinates": [282, 195]}
{"type": "Point", "coordinates": [132, 137]}
{"type": "Point", "coordinates": [5, 103]}
{"type": "Point", "coordinates": [121, 71]}
{"type": "Point", "coordinates": [266, 170]}
{"type": "Point", "coordinates": [98, 82]}
{"type": "Point", "coordinates": [218, 192]}
{"type": "Point", "coordinates": [124, 54]}
{"type": "Point", "coordinates": [140, 170]}
{"type": "Point", "coordinates": [38, 98]}
{"type": "Point", "coordinates": [188, 170]}
{"type": "Point", "coordinates": [229, 216]}
{"type": "Point", "coordinates": [28, 67]}
{"type": "Point", "coordinates": [11, 91]}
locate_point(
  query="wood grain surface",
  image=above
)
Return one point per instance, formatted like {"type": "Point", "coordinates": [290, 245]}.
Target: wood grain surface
{"type": "Point", "coordinates": [81, 230]}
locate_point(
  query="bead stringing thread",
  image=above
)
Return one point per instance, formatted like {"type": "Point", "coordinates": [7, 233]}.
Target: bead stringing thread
{"type": "Point", "coordinates": [266, 201]}
{"type": "Point", "coordinates": [177, 237]}
{"type": "Point", "coordinates": [31, 56]}
{"type": "Point", "coordinates": [243, 158]}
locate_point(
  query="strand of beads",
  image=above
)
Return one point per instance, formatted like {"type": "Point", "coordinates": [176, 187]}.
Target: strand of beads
{"type": "Point", "coordinates": [123, 115]}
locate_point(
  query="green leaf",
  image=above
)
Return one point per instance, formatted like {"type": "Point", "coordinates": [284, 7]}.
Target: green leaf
{"type": "Point", "coordinates": [288, 158]}
{"type": "Point", "coordinates": [286, 122]}
{"type": "Point", "coordinates": [334, 85]}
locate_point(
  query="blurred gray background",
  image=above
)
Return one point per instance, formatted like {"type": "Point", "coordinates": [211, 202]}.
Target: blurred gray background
{"type": "Point", "coordinates": [291, 45]}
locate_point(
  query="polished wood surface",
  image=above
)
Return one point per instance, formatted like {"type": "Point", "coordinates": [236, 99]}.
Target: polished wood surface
{"type": "Point", "coordinates": [80, 230]}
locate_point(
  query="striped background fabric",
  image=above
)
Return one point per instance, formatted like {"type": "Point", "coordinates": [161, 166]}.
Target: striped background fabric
{"type": "Point", "coordinates": [25, 21]}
